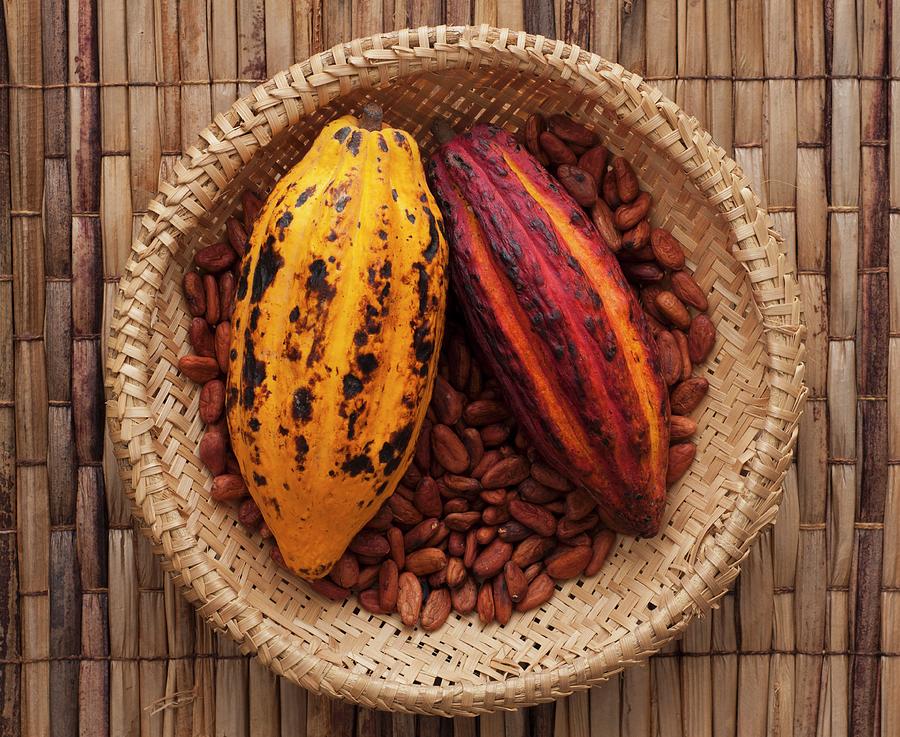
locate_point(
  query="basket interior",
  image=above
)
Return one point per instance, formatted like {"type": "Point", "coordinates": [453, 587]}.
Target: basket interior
{"type": "Point", "coordinates": [641, 575]}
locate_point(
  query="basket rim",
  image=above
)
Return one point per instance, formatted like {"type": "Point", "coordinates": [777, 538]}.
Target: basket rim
{"type": "Point", "coordinates": [251, 123]}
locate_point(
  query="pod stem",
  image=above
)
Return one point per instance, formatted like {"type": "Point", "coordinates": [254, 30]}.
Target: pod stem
{"type": "Point", "coordinates": [371, 117]}
{"type": "Point", "coordinates": [442, 131]}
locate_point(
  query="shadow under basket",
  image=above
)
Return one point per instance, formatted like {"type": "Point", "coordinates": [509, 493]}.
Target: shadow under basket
{"type": "Point", "coordinates": [649, 589]}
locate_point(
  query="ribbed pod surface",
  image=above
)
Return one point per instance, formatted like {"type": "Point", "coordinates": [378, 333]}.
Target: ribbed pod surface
{"type": "Point", "coordinates": [337, 328]}
{"type": "Point", "coordinates": [554, 318]}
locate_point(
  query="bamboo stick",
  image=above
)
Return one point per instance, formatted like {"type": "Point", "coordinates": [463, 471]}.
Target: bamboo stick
{"type": "Point", "coordinates": [124, 707]}
{"type": "Point", "coordinates": [719, 92]}
{"type": "Point", "coordinates": [511, 14]}
{"type": "Point", "coordinates": [539, 17]}
{"type": "Point", "coordinates": [464, 727]}
{"type": "Point", "coordinates": [143, 111]}
{"type": "Point", "coordinates": [748, 64]}
{"type": "Point", "coordinates": [561, 719]}
{"type": "Point", "coordinates": [308, 27]}
{"type": "Point", "coordinates": [632, 36]}
{"type": "Point", "coordinates": [662, 45]}
{"type": "Point", "coordinates": [180, 646]}
{"type": "Point", "coordinates": [607, 27]}
{"type": "Point", "coordinates": [231, 690]}
{"type": "Point", "coordinates": [691, 93]}
{"type": "Point", "coordinates": [696, 678]}
{"type": "Point", "coordinates": [542, 720]}
{"type": "Point", "coordinates": [251, 20]}
{"type": "Point", "coordinates": [574, 21]}
{"type": "Point", "coordinates": [152, 649]}
{"type": "Point", "coordinates": [516, 723]}
{"type": "Point", "coordinates": [485, 11]}
{"type": "Point", "coordinates": [93, 678]}
{"type": "Point", "coordinates": [293, 710]}
{"type": "Point", "coordinates": [204, 716]}
{"type": "Point", "coordinates": [667, 687]}
{"type": "Point", "coordinates": [35, 705]}
{"type": "Point", "coordinates": [403, 725]}
{"type": "Point", "coordinates": [263, 698]}
{"type": "Point", "coordinates": [489, 725]}
{"type": "Point", "coordinates": [114, 73]}
{"type": "Point", "coordinates": [810, 60]}
{"type": "Point", "coordinates": [193, 45]}
{"type": "Point", "coordinates": [223, 53]}
{"type": "Point", "coordinates": [168, 67]}
{"type": "Point", "coordinates": [279, 37]}
{"type": "Point", "coordinates": [637, 698]}
{"type": "Point", "coordinates": [336, 22]}
{"type": "Point", "coordinates": [606, 707]}
{"type": "Point", "coordinates": [65, 628]}
{"type": "Point", "coordinates": [724, 668]}
{"type": "Point", "coordinates": [459, 12]}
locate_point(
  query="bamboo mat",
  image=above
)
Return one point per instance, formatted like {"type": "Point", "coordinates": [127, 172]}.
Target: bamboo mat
{"type": "Point", "coordinates": [98, 98]}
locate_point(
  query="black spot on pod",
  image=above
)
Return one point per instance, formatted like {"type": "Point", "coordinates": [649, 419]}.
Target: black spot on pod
{"type": "Point", "coordinates": [401, 140]}
{"type": "Point", "coordinates": [360, 338]}
{"type": "Point", "coordinates": [283, 222]}
{"type": "Point", "coordinates": [254, 317]}
{"type": "Point", "coordinates": [242, 281]}
{"type": "Point", "coordinates": [341, 202]}
{"type": "Point", "coordinates": [386, 268]}
{"type": "Point", "coordinates": [352, 386]}
{"type": "Point", "coordinates": [282, 430]}
{"type": "Point", "coordinates": [317, 282]}
{"type": "Point", "coordinates": [302, 448]}
{"type": "Point", "coordinates": [253, 372]}
{"type": "Point", "coordinates": [410, 217]}
{"type": "Point", "coordinates": [259, 480]}
{"type": "Point", "coordinates": [394, 194]}
{"type": "Point", "coordinates": [351, 424]}
{"type": "Point", "coordinates": [382, 144]}
{"type": "Point", "coordinates": [391, 452]}
{"type": "Point", "coordinates": [434, 238]}
{"type": "Point", "coordinates": [342, 133]}
{"type": "Point", "coordinates": [267, 266]}
{"type": "Point", "coordinates": [423, 345]}
{"type": "Point", "coordinates": [254, 424]}
{"type": "Point", "coordinates": [305, 195]}
{"type": "Point", "coordinates": [357, 465]}
{"type": "Point", "coordinates": [295, 314]}
{"type": "Point", "coordinates": [382, 234]}
{"type": "Point", "coordinates": [367, 362]}
{"type": "Point", "coordinates": [422, 286]}
{"type": "Point", "coordinates": [331, 237]}
{"type": "Point", "coordinates": [302, 405]}
{"type": "Point", "coordinates": [353, 143]}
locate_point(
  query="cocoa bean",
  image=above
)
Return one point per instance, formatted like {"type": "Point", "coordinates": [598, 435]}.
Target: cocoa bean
{"type": "Point", "coordinates": [579, 504]}
{"type": "Point", "coordinates": [409, 598]}
{"type": "Point", "coordinates": [684, 351]}
{"type": "Point", "coordinates": [669, 357]}
{"type": "Point", "coordinates": [237, 236]}
{"type": "Point", "coordinates": [228, 487]}
{"type": "Point", "coordinates": [578, 183]}
{"type": "Point", "coordinates": [483, 412]}
{"type": "Point", "coordinates": [371, 543]}
{"type": "Point", "coordinates": [516, 584]}
{"type": "Point", "coordinates": [464, 597]}
{"type": "Point", "coordinates": [681, 427]}
{"type": "Point", "coordinates": [194, 294]}
{"type": "Point", "coordinates": [249, 514]}
{"type": "Point", "coordinates": [506, 472]}
{"type": "Point", "coordinates": [602, 545]}
{"type": "Point", "coordinates": [370, 600]}
{"type": "Point", "coordinates": [673, 309]}
{"type": "Point", "coordinates": [422, 456]}
{"type": "Point", "coordinates": [484, 535]}
{"type": "Point", "coordinates": [593, 161]}
{"type": "Point", "coordinates": [201, 338]}
{"type": "Point", "coordinates": [681, 456]}
{"type": "Point", "coordinates": [251, 206]}
{"type": "Point", "coordinates": [666, 249]}
{"type": "Point", "coordinates": [456, 572]}
{"type": "Point", "coordinates": [211, 290]}
{"type": "Point", "coordinates": [637, 238]}
{"type": "Point", "coordinates": [449, 449]}
{"type": "Point", "coordinates": [556, 149]}
{"type": "Point", "coordinates": [492, 559]}
{"type": "Point", "coordinates": [534, 517]}
{"type": "Point", "coordinates": [539, 592]}
{"type": "Point", "coordinates": [212, 401]}
{"type": "Point", "coordinates": [485, 603]}
{"type": "Point", "coordinates": [199, 369]}
{"type": "Point", "coordinates": [215, 258]}
{"type": "Point", "coordinates": [604, 221]}
{"type": "Point", "coordinates": [223, 345]}
{"type": "Point", "coordinates": [447, 402]}
{"type": "Point", "coordinates": [436, 609]}
{"type": "Point", "coordinates": [689, 291]}
{"type": "Point", "coordinates": [345, 572]}
{"type": "Point", "coordinates": [427, 498]}
{"type": "Point", "coordinates": [569, 563]}
{"type": "Point", "coordinates": [212, 452]}
{"type": "Point", "coordinates": [626, 180]}
{"type": "Point", "coordinates": [569, 528]}
{"type": "Point", "coordinates": [630, 214]}
{"type": "Point", "coordinates": [329, 589]}
{"type": "Point", "coordinates": [395, 541]}
{"type": "Point", "coordinates": [571, 132]}
{"type": "Point", "coordinates": [503, 605]}
{"type": "Point", "coordinates": [686, 397]}
{"type": "Point", "coordinates": [609, 188]}
{"type": "Point", "coordinates": [701, 338]}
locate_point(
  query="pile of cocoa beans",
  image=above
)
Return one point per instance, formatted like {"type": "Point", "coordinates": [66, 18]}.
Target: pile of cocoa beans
{"type": "Point", "coordinates": [478, 522]}
{"type": "Point", "coordinates": [651, 258]}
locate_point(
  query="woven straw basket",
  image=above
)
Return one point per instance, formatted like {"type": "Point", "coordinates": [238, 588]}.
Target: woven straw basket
{"type": "Point", "coordinates": [649, 589]}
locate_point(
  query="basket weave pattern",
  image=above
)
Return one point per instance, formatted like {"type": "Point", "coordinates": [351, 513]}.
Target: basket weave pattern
{"type": "Point", "coordinates": [649, 589]}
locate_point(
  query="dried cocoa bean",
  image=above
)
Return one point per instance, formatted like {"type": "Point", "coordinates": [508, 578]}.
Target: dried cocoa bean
{"type": "Point", "coordinates": [228, 487]}
{"type": "Point", "coordinates": [556, 149]}
{"type": "Point", "coordinates": [666, 249]}
{"type": "Point", "coordinates": [426, 561]}
{"type": "Point", "coordinates": [626, 180]}
{"type": "Point", "coordinates": [395, 541]}
{"type": "Point", "coordinates": [548, 477]}
{"type": "Point", "coordinates": [642, 272]}
{"type": "Point", "coordinates": [578, 183]}
{"type": "Point", "coordinates": [404, 511]}
{"type": "Point", "coordinates": [427, 498]}
{"type": "Point", "coordinates": [483, 412]}
{"type": "Point", "coordinates": [630, 214]}
{"type": "Point", "coordinates": [464, 597]}
{"type": "Point", "coordinates": [485, 603]}
{"type": "Point", "coordinates": [367, 577]}
{"type": "Point", "coordinates": [603, 219]}
{"type": "Point", "coordinates": [593, 161]}
{"type": "Point", "coordinates": [609, 188]}
{"type": "Point", "coordinates": [506, 472]}
{"type": "Point", "coordinates": [448, 449]}
{"type": "Point", "coordinates": [571, 132]}
{"type": "Point", "coordinates": [539, 592]}
{"type": "Point", "coordinates": [513, 531]}
{"type": "Point", "coordinates": [503, 605]}
{"type": "Point", "coordinates": [569, 563]}
{"type": "Point", "coordinates": [199, 369]}
{"type": "Point", "coordinates": [684, 351]}
{"type": "Point", "coordinates": [602, 545]}
{"type": "Point", "coordinates": [212, 401]}
{"type": "Point", "coordinates": [492, 559]}
{"type": "Point", "coordinates": [531, 491]}
{"type": "Point", "coordinates": [689, 291]}
{"type": "Point", "coordinates": [201, 338]}
{"type": "Point", "coordinates": [534, 126]}
{"type": "Point", "coordinates": [211, 290]}
{"type": "Point", "coordinates": [456, 544]}
{"type": "Point", "coordinates": [223, 345]}
{"type": "Point", "coordinates": [371, 543]}
{"type": "Point", "coordinates": [681, 456]}
{"type": "Point", "coordinates": [381, 520]}
{"type": "Point", "coordinates": [484, 535]}
{"type": "Point", "coordinates": [194, 294]}
{"type": "Point", "coordinates": [673, 309]}
{"type": "Point", "coordinates": [370, 601]}
{"type": "Point", "coordinates": [462, 521]}
{"type": "Point", "coordinates": [345, 572]}
{"type": "Point", "coordinates": [701, 338]}
{"type": "Point", "coordinates": [487, 462]}
{"type": "Point", "coordinates": [215, 258]}
{"type": "Point", "coordinates": [493, 435]}
{"type": "Point", "coordinates": [329, 589]}
{"type": "Point", "coordinates": [567, 528]}
{"type": "Point", "coordinates": [681, 427]}
{"type": "Point", "coordinates": [212, 452]}
{"type": "Point", "coordinates": [249, 514]}
{"type": "Point", "coordinates": [516, 584]}
{"type": "Point", "coordinates": [669, 357]}
{"type": "Point", "coordinates": [534, 517]}
{"type": "Point", "coordinates": [436, 609]}
{"type": "Point", "coordinates": [471, 551]}
{"type": "Point", "coordinates": [447, 402]}
{"type": "Point", "coordinates": [686, 397]}
{"type": "Point", "coordinates": [495, 515]}
{"type": "Point", "coordinates": [579, 504]}
{"type": "Point", "coordinates": [237, 236]}
{"type": "Point", "coordinates": [409, 598]}
{"type": "Point", "coordinates": [456, 573]}
{"type": "Point", "coordinates": [422, 455]}
{"type": "Point", "coordinates": [637, 238]}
